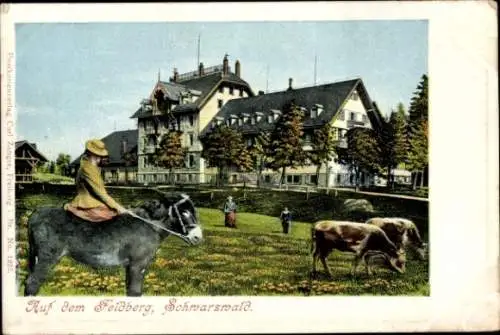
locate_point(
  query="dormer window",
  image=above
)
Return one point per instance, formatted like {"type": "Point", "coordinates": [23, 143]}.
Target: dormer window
{"type": "Point", "coordinates": [245, 118]}
{"type": "Point", "coordinates": [231, 90]}
{"type": "Point", "coordinates": [270, 118]}
{"type": "Point", "coordinates": [319, 109]}
{"type": "Point", "coordinates": [314, 112]}
{"type": "Point", "coordinates": [240, 122]}
{"type": "Point", "coordinates": [252, 120]}
{"type": "Point", "coordinates": [249, 142]}
{"type": "Point", "coordinates": [228, 122]}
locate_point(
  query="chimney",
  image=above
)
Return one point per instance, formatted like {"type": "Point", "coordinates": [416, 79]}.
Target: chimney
{"type": "Point", "coordinates": [176, 75]}
{"type": "Point", "coordinates": [124, 146]}
{"type": "Point", "coordinates": [290, 80]}
{"type": "Point", "coordinates": [201, 70]}
{"type": "Point", "coordinates": [237, 68]}
{"type": "Point", "coordinates": [261, 92]}
{"type": "Point", "coordinates": [225, 65]}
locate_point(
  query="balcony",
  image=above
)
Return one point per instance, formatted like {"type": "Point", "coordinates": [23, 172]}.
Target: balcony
{"type": "Point", "coordinates": [150, 149]}
{"type": "Point", "coordinates": [355, 123]}
{"type": "Point", "coordinates": [341, 143]}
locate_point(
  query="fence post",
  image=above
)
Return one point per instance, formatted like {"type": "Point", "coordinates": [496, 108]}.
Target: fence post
{"type": "Point", "coordinates": [211, 195]}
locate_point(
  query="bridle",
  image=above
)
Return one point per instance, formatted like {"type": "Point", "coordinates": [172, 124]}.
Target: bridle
{"type": "Point", "coordinates": [179, 216]}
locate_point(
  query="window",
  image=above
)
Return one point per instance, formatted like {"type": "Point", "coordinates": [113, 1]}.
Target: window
{"type": "Point", "coordinates": [221, 89]}
{"type": "Point", "coordinates": [365, 118]}
{"type": "Point", "coordinates": [249, 142]}
{"type": "Point", "coordinates": [190, 161]}
{"type": "Point", "coordinates": [267, 178]}
{"type": "Point", "coordinates": [219, 103]}
{"type": "Point", "coordinates": [354, 95]}
{"type": "Point", "coordinates": [313, 113]}
{"type": "Point", "coordinates": [307, 137]}
{"type": "Point", "coordinates": [240, 122]}
{"type": "Point", "coordinates": [342, 115]}
{"type": "Point", "coordinates": [297, 179]}
{"type": "Point", "coordinates": [252, 120]}
{"type": "Point", "coordinates": [231, 90]}
{"type": "Point", "coordinates": [191, 139]}
{"type": "Point", "coordinates": [228, 122]}
{"type": "Point", "coordinates": [313, 179]}
{"type": "Point", "coordinates": [353, 116]}
{"type": "Point", "coordinates": [241, 93]}
{"type": "Point", "coordinates": [289, 179]}
{"type": "Point", "coordinates": [191, 120]}
{"type": "Point", "coordinates": [270, 119]}
{"type": "Point", "coordinates": [259, 118]}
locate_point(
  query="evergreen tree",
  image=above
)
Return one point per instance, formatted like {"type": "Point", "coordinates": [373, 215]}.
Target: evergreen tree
{"type": "Point", "coordinates": [222, 148]}
{"type": "Point", "coordinates": [170, 153]}
{"type": "Point", "coordinates": [363, 152]}
{"type": "Point", "coordinates": [259, 151]}
{"type": "Point", "coordinates": [286, 140]}
{"type": "Point", "coordinates": [323, 147]}
{"type": "Point", "coordinates": [419, 102]}
{"type": "Point", "coordinates": [394, 142]}
{"type": "Point", "coordinates": [418, 153]}
{"type": "Point", "coordinates": [417, 130]}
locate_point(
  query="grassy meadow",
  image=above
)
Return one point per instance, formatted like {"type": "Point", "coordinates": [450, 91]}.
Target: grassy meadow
{"type": "Point", "coordinates": [255, 259]}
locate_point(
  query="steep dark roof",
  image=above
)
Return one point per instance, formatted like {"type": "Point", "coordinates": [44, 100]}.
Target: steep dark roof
{"type": "Point", "coordinates": [33, 149]}
{"type": "Point", "coordinates": [205, 84]}
{"type": "Point", "coordinates": [113, 144]}
{"type": "Point", "coordinates": [331, 96]}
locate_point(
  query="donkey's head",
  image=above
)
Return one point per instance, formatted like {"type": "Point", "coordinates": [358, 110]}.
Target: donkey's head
{"type": "Point", "coordinates": [177, 213]}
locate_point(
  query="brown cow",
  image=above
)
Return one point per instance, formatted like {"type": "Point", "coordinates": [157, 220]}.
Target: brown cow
{"type": "Point", "coordinates": [403, 233]}
{"type": "Point", "coordinates": [364, 240]}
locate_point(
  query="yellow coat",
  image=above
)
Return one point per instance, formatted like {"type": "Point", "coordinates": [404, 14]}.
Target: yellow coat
{"type": "Point", "coordinates": [91, 192]}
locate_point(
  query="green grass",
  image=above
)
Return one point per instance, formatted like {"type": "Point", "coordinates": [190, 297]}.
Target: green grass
{"type": "Point", "coordinates": [255, 259]}
{"type": "Point", "coordinates": [52, 178]}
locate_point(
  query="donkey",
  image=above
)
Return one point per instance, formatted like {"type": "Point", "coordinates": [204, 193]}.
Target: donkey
{"type": "Point", "coordinates": [128, 240]}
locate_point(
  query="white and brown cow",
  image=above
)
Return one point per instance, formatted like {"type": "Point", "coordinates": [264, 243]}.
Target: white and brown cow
{"type": "Point", "coordinates": [403, 233]}
{"type": "Point", "coordinates": [365, 241]}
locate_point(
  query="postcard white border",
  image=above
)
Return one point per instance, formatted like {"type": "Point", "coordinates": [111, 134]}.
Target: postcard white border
{"type": "Point", "coordinates": [463, 195]}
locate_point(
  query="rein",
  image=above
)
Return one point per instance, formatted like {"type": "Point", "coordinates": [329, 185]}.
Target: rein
{"type": "Point", "coordinates": [153, 223]}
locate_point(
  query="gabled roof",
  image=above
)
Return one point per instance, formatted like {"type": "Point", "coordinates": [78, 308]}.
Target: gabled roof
{"type": "Point", "coordinates": [206, 85]}
{"type": "Point", "coordinates": [113, 144]}
{"type": "Point", "coordinates": [33, 149]}
{"type": "Point", "coordinates": [332, 96]}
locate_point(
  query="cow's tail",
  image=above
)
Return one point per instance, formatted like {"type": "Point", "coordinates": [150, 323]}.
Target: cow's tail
{"type": "Point", "coordinates": [313, 238]}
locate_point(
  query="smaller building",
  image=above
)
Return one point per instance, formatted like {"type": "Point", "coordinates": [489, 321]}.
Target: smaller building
{"type": "Point", "coordinates": [27, 159]}
{"type": "Point", "coordinates": [121, 165]}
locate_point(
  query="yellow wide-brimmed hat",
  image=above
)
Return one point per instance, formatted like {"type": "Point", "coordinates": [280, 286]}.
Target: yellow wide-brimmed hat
{"type": "Point", "coordinates": [97, 147]}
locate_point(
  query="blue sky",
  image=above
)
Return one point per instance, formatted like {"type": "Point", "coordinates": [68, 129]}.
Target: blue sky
{"type": "Point", "coordinates": [84, 80]}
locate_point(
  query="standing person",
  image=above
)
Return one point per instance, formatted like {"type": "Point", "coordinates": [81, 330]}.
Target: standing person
{"type": "Point", "coordinates": [230, 213]}
{"type": "Point", "coordinates": [92, 202]}
{"type": "Point", "coordinates": [286, 220]}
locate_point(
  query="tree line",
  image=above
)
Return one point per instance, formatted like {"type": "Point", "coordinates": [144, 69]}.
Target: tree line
{"type": "Point", "coordinates": [401, 140]}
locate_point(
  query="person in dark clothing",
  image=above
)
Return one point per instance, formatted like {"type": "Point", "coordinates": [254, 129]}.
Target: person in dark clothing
{"type": "Point", "coordinates": [286, 220]}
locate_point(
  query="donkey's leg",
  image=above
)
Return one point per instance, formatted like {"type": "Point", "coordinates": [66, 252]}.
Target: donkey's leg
{"type": "Point", "coordinates": [135, 277]}
{"type": "Point", "coordinates": [46, 260]}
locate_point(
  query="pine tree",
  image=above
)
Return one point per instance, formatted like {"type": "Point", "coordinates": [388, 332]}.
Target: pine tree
{"type": "Point", "coordinates": [417, 130]}
{"type": "Point", "coordinates": [418, 153]}
{"type": "Point", "coordinates": [323, 147]}
{"type": "Point", "coordinates": [363, 152]}
{"type": "Point", "coordinates": [222, 148]}
{"type": "Point", "coordinates": [420, 102]}
{"type": "Point", "coordinates": [286, 140]}
{"type": "Point", "coordinates": [394, 142]}
{"type": "Point", "coordinates": [170, 153]}
{"type": "Point", "coordinates": [259, 151]}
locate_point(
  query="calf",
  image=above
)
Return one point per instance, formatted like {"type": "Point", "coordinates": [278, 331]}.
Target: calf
{"type": "Point", "coordinates": [365, 241]}
{"type": "Point", "coordinates": [402, 232]}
